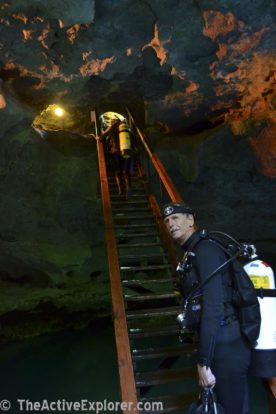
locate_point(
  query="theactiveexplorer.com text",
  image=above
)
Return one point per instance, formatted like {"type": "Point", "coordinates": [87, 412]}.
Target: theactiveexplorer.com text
{"type": "Point", "coordinates": [84, 405]}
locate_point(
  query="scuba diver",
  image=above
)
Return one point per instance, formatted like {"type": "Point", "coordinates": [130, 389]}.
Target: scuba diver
{"type": "Point", "coordinates": [252, 280]}
{"type": "Point", "coordinates": [119, 153]}
{"type": "Point", "coordinates": [224, 353]}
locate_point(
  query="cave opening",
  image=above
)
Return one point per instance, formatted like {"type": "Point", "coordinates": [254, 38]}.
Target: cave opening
{"type": "Point", "coordinates": [63, 118]}
{"type": "Point", "coordinates": [54, 117]}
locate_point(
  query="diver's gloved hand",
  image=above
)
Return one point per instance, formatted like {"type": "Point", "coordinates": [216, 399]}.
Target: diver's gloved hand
{"type": "Point", "coordinates": [206, 377]}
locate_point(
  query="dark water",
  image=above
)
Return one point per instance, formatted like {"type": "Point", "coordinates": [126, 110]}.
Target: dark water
{"type": "Point", "coordinates": [73, 366]}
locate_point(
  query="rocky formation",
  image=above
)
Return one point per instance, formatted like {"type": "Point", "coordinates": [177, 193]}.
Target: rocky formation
{"type": "Point", "coordinates": [200, 78]}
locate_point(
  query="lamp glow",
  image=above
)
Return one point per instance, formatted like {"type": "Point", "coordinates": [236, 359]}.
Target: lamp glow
{"type": "Point", "coordinates": [59, 111]}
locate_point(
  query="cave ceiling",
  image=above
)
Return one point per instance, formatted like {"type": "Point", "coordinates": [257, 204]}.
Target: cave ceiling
{"type": "Point", "coordinates": [187, 61]}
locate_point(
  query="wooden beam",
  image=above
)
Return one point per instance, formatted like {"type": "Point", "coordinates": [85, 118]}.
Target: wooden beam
{"type": "Point", "coordinates": [160, 169]}
{"type": "Point", "coordinates": [165, 178]}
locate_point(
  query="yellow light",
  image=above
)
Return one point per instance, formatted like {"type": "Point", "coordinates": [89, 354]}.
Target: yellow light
{"type": "Point", "coordinates": [59, 111]}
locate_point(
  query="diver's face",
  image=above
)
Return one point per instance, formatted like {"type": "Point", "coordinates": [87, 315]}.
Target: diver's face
{"type": "Point", "coordinates": [180, 226]}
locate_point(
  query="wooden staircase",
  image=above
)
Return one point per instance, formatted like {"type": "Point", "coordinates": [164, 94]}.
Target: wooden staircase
{"type": "Point", "coordinates": [153, 365]}
{"type": "Point", "coordinates": [151, 305]}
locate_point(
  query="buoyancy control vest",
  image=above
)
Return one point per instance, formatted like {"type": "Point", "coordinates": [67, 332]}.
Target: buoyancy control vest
{"type": "Point", "coordinates": [189, 281]}
{"type": "Point", "coordinates": [263, 280]}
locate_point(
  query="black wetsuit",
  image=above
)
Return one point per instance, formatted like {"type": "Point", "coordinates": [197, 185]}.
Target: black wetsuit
{"type": "Point", "coordinates": [221, 344]}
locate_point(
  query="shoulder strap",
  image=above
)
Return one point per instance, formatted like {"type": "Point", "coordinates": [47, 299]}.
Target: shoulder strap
{"type": "Point", "coordinates": [266, 293]}
{"type": "Point", "coordinates": [261, 292]}
{"type": "Point", "coordinates": [218, 269]}
{"type": "Point", "coordinates": [205, 236]}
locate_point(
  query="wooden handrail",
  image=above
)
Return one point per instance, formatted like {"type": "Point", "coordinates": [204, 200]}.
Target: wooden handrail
{"type": "Point", "coordinates": [164, 235]}
{"type": "Point", "coordinates": [140, 134]}
{"type": "Point", "coordinates": [158, 165]}
{"type": "Point", "coordinates": [127, 381]}
{"type": "Point", "coordinates": [165, 178]}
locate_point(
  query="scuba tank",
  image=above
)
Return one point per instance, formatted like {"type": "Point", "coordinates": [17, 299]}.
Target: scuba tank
{"type": "Point", "coordinates": [263, 362]}
{"type": "Point", "coordinates": [124, 140]}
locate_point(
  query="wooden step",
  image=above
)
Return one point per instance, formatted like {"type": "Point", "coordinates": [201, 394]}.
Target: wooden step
{"type": "Point", "coordinates": [171, 330]}
{"type": "Point", "coordinates": [129, 202]}
{"type": "Point", "coordinates": [136, 188]}
{"type": "Point", "coordinates": [134, 178]}
{"type": "Point", "coordinates": [146, 379]}
{"type": "Point", "coordinates": [137, 282]}
{"type": "Point", "coordinates": [127, 217]}
{"type": "Point", "coordinates": [151, 353]}
{"type": "Point", "coordinates": [131, 193]}
{"type": "Point", "coordinates": [133, 226]}
{"type": "Point", "coordinates": [150, 313]}
{"type": "Point", "coordinates": [138, 245]}
{"type": "Point", "coordinates": [142, 298]}
{"type": "Point", "coordinates": [122, 210]}
{"type": "Point", "coordinates": [133, 184]}
{"type": "Point", "coordinates": [142, 256]}
{"type": "Point", "coordinates": [144, 268]}
{"type": "Point", "coordinates": [118, 196]}
{"type": "Point", "coordinates": [134, 235]}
